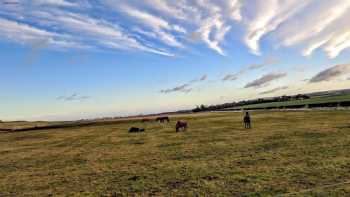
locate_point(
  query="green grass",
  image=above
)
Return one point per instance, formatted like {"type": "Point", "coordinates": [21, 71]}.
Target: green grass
{"type": "Point", "coordinates": [285, 152]}
{"type": "Point", "coordinates": [315, 100]}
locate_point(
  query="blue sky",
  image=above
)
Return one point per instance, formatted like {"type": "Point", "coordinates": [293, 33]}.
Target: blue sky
{"type": "Point", "coordinates": [63, 60]}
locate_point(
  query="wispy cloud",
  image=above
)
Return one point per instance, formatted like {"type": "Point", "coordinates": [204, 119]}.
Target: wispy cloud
{"type": "Point", "coordinates": [187, 87]}
{"type": "Point", "coordinates": [158, 25]}
{"type": "Point", "coordinates": [164, 26]}
{"type": "Point", "coordinates": [331, 73]}
{"type": "Point", "coordinates": [202, 78]}
{"type": "Point", "coordinates": [268, 61]}
{"type": "Point", "coordinates": [230, 77]}
{"type": "Point", "coordinates": [273, 90]}
{"type": "Point", "coordinates": [310, 24]}
{"type": "Point", "coordinates": [182, 88]}
{"type": "Point", "coordinates": [207, 27]}
{"type": "Point", "coordinates": [10, 2]}
{"type": "Point", "coordinates": [73, 97]}
{"type": "Point", "coordinates": [66, 29]}
{"type": "Point", "coordinates": [323, 28]}
{"type": "Point", "coordinates": [265, 79]}
{"type": "Point", "coordinates": [266, 17]}
{"type": "Point", "coordinates": [55, 3]}
{"type": "Point", "coordinates": [234, 76]}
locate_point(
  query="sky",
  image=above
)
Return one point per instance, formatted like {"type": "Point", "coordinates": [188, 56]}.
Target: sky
{"type": "Point", "coordinates": [67, 60]}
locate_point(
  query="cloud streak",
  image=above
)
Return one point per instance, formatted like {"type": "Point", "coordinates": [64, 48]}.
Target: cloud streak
{"type": "Point", "coordinates": [331, 73]}
{"type": "Point", "coordinates": [202, 78]}
{"type": "Point", "coordinates": [230, 77]}
{"type": "Point", "coordinates": [265, 79]}
{"type": "Point", "coordinates": [274, 90]}
{"type": "Point", "coordinates": [187, 87]}
{"type": "Point", "coordinates": [165, 27]}
{"type": "Point", "coordinates": [182, 88]}
{"type": "Point", "coordinates": [73, 97]}
{"type": "Point", "coordinates": [71, 30]}
{"type": "Point", "coordinates": [235, 76]}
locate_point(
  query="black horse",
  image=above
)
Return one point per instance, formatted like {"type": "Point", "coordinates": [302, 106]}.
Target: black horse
{"type": "Point", "coordinates": [163, 119]}
{"type": "Point", "coordinates": [246, 121]}
{"type": "Point", "coordinates": [135, 130]}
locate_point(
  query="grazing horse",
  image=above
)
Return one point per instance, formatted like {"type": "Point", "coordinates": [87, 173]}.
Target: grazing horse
{"type": "Point", "coordinates": [135, 130]}
{"type": "Point", "coordinates": [163, 119]}
{"type": "Point", "coordinates": [145, 120]}
{"type": "Point", "coordinates": [246, 121]}
{"type": "Point", "coordinates": [181, 125]}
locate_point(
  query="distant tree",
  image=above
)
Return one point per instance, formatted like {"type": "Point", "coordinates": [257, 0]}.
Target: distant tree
{"type": "Point", "coordinates": [197, 109]}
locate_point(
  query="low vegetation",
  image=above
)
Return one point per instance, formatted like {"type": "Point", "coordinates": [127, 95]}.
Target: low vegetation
{"type": "Point", "coordinates": [333, 99]}
{"type": "Point", "coordinates": [285, 153]}
{"type": "Point", "coordinates": [315, 100]}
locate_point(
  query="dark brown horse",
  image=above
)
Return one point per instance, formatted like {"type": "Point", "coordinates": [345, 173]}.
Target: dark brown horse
{"type": "Point", "coordinates": [163, 119]}
{"type": "Point", "coordinates": [246, 121]}
{"type": "Point", "coordinates": [135, 130]}
{"type": "Point", "coordinates": [181, 124]}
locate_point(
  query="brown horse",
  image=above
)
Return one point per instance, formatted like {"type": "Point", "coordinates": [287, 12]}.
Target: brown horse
{"type": "Point", "coordinates": [145, 120]}
{"type": "Point", "coordinates": [181, 124]}
{"type": "Point", "coordinates": [163, 119]}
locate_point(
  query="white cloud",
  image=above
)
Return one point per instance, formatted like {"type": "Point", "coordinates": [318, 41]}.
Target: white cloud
{"type": "Point", "coordinates": [35, 37]}
{"type": "Point", "coordinates": [206, 29]}
{"type": "Point", "coordinates": [21, 32]}
{"type": "Point", "coordinates": [74, 29]}
{"type": "Point", "coordinates": [338, 44]}
{"type": "Point", "coordinates": [323, 25]}
{"type": "Point", "coordinates": [157, 25]}
{"type": "Point", "coordinates": [208, 20]}
{"type": "Point", "coordinates": [55, 3]}
{"type": "Point", "coordinates": [162, 26]}
{"type": "Point", "coordinates": [263, 17]}
{"type": "Point", "coordinates": [315, 22]}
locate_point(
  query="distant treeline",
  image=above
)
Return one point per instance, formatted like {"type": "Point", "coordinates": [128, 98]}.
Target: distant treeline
{"type": "Point", "coordinates": [284, 98]}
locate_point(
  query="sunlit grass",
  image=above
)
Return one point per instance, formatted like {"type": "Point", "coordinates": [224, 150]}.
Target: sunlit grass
{"type": "Point", "coordinates": [284, 152]}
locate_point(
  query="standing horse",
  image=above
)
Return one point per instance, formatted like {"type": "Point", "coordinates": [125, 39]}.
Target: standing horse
{"type": "Point", "coordinates": [247, 121]}
{"type": "Point", "coordinates": [163, 119]}
{"type": "Point", "coordinates": [181, 125]}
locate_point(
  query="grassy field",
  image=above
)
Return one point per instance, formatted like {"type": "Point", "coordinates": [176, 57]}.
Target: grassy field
{"type": "Point", "coordinates": [23, 124]}
{"type": "Point", "coordinates": [315, 100]}
{"type": "Point", "coordinates": [285, 153]}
